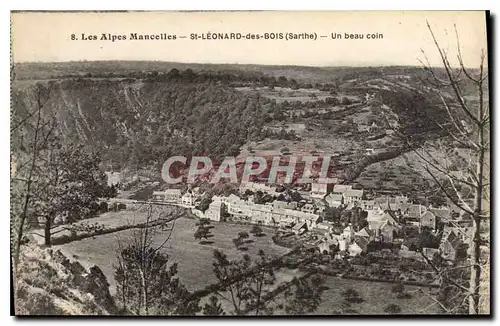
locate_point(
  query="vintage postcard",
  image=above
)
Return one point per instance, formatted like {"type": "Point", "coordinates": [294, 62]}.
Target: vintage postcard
{"type": "Point", "coordinates": [250, 163]}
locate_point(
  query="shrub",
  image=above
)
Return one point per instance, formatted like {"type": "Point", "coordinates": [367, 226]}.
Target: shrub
{"type": "Point", "coordinates": [392, 309]}
{"type": "Point", "coordinates": [398, 288]}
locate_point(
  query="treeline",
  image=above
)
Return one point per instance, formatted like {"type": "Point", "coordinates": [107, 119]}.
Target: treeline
{"type": "Point", "coordinates": [232, 78]}
{"type": "Point", "coordinates": [420, 114]}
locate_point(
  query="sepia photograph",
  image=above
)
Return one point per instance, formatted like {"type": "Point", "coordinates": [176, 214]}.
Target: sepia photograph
{"type": "Point", "coordinates": [250, 163]}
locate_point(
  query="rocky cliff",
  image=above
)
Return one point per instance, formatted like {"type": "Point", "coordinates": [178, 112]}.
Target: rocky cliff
{"type": "Point", "coordinates": [48, 283]}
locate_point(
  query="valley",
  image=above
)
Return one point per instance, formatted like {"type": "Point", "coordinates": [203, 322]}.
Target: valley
{"type": "Point", "coordinates": [132, 116]}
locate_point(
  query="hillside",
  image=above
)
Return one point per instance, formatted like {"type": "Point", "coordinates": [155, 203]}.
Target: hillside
{"type": "Point", "coordinates": [148, 111]}
{"type": "Point", "coordinates": [55, 70]}
{"type": "Point", "coordinates": [136, 122]}
{"type": "Point", "coordinates": [48, 283]}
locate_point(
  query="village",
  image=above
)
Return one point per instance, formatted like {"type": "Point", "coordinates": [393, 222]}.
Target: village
{"type": "Point", "coordinates": [338, 220]}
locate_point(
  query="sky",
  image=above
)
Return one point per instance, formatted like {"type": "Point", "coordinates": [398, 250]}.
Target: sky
{"type": "Point", "coordinates": [47, 37]}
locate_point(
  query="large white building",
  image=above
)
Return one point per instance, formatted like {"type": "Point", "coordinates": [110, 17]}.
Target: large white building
{"type": "Point", "coordinates": [215, 210]}
{"type": "Point", "coordinates": [168, 196]}
{"type": "Point", "coordinates": [353, 196]}
{"type": "Point", "coordinates": [188, 199]}
{"type": "Point", "coordinates": [349, 195]}
{"type": "Point", "coordinates": [319, 190]}
{"type": "Point", "coordinates": [334, 200]}
{"type": "Point", "coordinates": [340, 189]}
{"type": "Point", "coordinates": [113, 178]}
{"type": "Point", "coordinates": [276, 214]}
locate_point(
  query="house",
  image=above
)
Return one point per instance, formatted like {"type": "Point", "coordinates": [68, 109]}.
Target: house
{"type": "Point", "coordinates": [409, 248]}
{"type": "Point", "coordinates": [383, 224]}
{"type": "Point", "coordinates": [215, 210]}
{"type": "Point", "coordinates": [391, 217]}
{"type": "Point", "coordinates": [323, 247]}
{"type": "Point", "coordinates": [377, 217]}
{"type": "Point", "coordinates": [340, 189]}
{"type": "Point", "coordinates": [428, 220]}
{"type": "Point", "coordinates": [353, 195]}
{"type": "Point", "coordinates": [450, 244]}
{"type": "Point", "coordinates": [401, 200]}
{"type": "Point", "coordinates": [326, 243]}
{"type": "Point", "coordinates": [334, 200]}
{"type": "Point", "coordinates": [465, 233]}
{"type": "Point", "coordinates": [410, 244]}
{"type": "Point", "coordinates": [386, 231]}
{"type": "Point", "coordinates": [348, 233]}
{"type": "Point", "coordinates": [299, 228]}
{"type": "Point", "coordinates": [343, 244]}
{"type": "Point", "coordinates": [173, 195]}
{"type": "Point", "coordinates": [262, 214]}
{"type": "Point", "coordinates": [297, 216]}
{"type": "Point", "coordinates": [367, 204]}
{"type": "Point", "coordinates": [283, 204]}
{"type": "Point", "coordinates": [319, 190]}
{"type": "Point", "coordinates": [158, 195]}
{"type": "Point", "coordinates": [187, 199]}
{"type": "Point", "coordinates": [113, 178]}
{"type": "Point", "coordinates": [414, 212]}
{"type": "Point", "coordinates": [320, 206]}
{"type": "Point", "coordinates": [237, 206]}
{"type": "Point", "coordinates": [366, 233]}
{"type": "Point", "coordinates": [376, 214]}
{"type": "Point", "coordinates": [358, 246]}
{"type": "Point", "coordinates": [392, 203]}
{"type": "Point", "coordinates": [323, 228]}
{"type": "Point", "coordinates": [443, 214]}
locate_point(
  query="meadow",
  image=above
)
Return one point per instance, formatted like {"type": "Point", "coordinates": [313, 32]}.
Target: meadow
{"type": "Point", "coordinates": [376, 296]}
{"type": "Point", "coordinates": [194, 259]}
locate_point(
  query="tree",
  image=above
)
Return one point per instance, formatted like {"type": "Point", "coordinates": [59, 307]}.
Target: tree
{"type": "Point", "coordinates": [285, 150]}
{"type": "Point", "coordinates": [237, 242]}
{"type": "Point", "coordinates": [243, 235]}
{"type": "Point", "coordinates": [242, 282]}
{"type": "Point", "coordinates": [428, 240]}
{"type": "Point", "coordinates": [203, 232]}
{"type": "Point", "coordinates": [398, 288]}
{"type": "Point", "coordinates": [257, 231]}
{"type": "Point", "coordinates": [345, 101]}
{"type": "Point", "coordinates": [213, 307]}
{"type": "Point", "coordinates": [262, 198]}
{"type": "Point", "coordinates": [352, 296]}
{"type": "Point", "coordinates": [203, 222]}
{"type": "Point", "coordinates": [240, 239]}
{"type": "Point", "coordinates": [31, 132]}
{"type": "Point", "coordinates": [459, 162]}
{"type": "Point", "coordinates": [204, 203]}
{"type": "Point", "coordinates": [451, 297]}
{"type": "Point", "coordinates": [392, 309]}
{"type": "Point", "coordinates": [304, 295]}
{"type": "Point", "coordinates": [331, 214]}
{"type": "Point", "coordinates": [146, 283]}
{"type": "Point", "coordinates": [68, 187]}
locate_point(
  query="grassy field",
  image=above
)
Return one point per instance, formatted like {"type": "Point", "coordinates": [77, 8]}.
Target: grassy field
{"type": "Point", "coordinates": [194, 259]}
{"type": "Point", "coordinates": [134, 215]}
{"type": "Point", "coordinates": [376, 297]}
